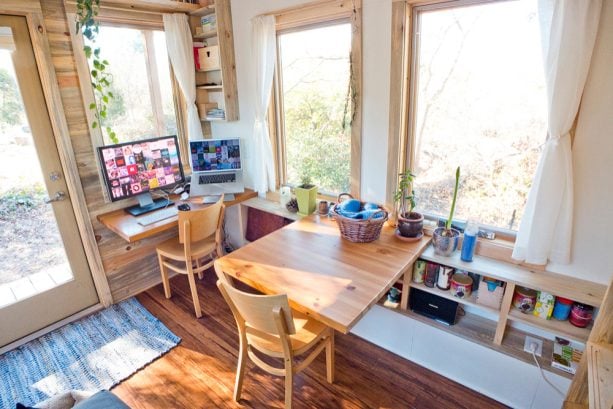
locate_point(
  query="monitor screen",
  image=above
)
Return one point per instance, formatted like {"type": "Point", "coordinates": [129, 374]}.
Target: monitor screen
{"type": "Point", "coordinates": [138, 167]}
{"type": "Point", "coordinates": [215, 155]}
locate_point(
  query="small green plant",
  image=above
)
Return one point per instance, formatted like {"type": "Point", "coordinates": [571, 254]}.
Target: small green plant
{"type": "Point", "coordinates": [306, 182]}
{"type": "Point", "coordinates": [455, 195]}
{"type": "Point", "coordinates": [405, 193]}
{"type": "Point", "coordinates": [101, 79]}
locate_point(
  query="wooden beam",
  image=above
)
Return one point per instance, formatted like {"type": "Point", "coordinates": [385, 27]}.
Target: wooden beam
{"type": "Point", "coordinates": [315, 13]}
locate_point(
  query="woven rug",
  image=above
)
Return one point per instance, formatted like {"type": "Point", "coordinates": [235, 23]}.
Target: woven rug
{"type": "Point", "coordinates": [94, 353]}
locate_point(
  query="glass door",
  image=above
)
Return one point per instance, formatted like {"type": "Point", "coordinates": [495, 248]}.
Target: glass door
{"type": "Point", "coordinates": [44, 275]}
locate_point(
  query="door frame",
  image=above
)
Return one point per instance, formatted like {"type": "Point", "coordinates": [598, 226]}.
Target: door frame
{"type": "Point", "coordinates": [32, 11]}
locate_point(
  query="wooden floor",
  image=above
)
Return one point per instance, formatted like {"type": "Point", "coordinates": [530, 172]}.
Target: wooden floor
{"type": "Point", "coordinates": [199, 373]}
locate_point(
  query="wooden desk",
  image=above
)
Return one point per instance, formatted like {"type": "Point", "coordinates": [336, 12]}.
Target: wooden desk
{"type": "Point", "coordinates": [127, 227]}
{"type": "Point", "coordinates": [329, 278]}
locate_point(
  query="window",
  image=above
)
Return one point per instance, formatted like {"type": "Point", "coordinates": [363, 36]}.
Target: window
{"type": "Point", "coordinates": [317, 96]}
{"type": "Point", "coordinates": [143, 104]}
{"type": "Point", "coordinates": [478, 101]}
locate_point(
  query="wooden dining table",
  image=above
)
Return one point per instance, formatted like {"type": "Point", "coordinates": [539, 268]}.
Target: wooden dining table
{"type": "Point", "coordinates": [329, 278]}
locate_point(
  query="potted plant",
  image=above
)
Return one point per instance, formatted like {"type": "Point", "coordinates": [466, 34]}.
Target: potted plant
{"type": "Point", "coordinates": [306, 195]}
{"type": "Point", "coordinates": [410, 223]}
{"type": "Point", "coordinates": [445, 239]}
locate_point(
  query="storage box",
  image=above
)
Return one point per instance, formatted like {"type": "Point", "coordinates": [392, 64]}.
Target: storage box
{"type": "Point", "coordinates": [209, 58]}
{"type": "Point", "coordinates": [490, 292]}
{"type": "Point", "coordinates": [204, 108]}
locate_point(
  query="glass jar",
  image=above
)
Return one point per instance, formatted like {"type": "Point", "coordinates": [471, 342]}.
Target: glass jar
{"type": "Point", "coordinates": [581, 315]}
{"type": "Point", "coordinates": [561, 310]}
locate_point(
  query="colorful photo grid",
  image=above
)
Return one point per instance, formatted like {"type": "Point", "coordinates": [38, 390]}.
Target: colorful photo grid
{"type": "Point", "coordinates": [142, 166]}
{"type": "Point", "coordinates": [215, 155]}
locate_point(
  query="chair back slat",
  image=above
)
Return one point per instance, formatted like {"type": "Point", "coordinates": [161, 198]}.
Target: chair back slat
{"type": "Point", "coordinates": [202, 222]}
{"type": "Point", "coordinates": [257, 310]}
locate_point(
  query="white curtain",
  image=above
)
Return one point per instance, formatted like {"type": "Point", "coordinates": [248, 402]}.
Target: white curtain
{"type": "Point", "coordinates": [181, 54]}
{"type": "Point", "coordinates": [264, 55]}
{"type": "Point", "coordinates": [568, 33]}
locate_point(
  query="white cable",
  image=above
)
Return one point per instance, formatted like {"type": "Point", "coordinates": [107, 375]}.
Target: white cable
{"type": "Point", "coordinates": [543, 374]}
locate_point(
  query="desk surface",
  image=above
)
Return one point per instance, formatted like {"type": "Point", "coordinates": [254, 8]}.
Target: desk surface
{"type": "Point", "coordinates": [329, 278]}
{"type": "Point", "coordinates": [127, 227]}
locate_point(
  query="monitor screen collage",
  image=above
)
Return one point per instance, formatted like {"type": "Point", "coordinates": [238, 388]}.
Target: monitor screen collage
{"type": "Point", "coordinates": [139, 167]}
{"type": "Point", "coordinates": [215, 155]}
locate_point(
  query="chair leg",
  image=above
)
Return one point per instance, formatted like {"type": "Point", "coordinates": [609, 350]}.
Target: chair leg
{"type": "Point", "coordinates": [330, 357]}
{"type": "Point", "coordinates": [192, 286]}
{"type": "Point", "coordinates": [240, 369]}
{"type": "Point", "coordinates": [289, 382]}
{"type": "Point", "coordinates": [165, 280]}
{"type": "Point", "coordinates": [200, 275]}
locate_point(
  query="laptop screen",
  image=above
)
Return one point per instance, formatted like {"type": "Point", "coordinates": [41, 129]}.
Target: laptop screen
{"type": "Point", "coordinates": [211, 155]}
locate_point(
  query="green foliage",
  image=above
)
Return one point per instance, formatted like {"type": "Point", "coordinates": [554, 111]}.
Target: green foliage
{"type": "Point", "coordinates": [10, 104]}
{"type": "Point", "coordinates": [24, 199]}
{"type": "Point", "coordinates": [455, 195]}
{"type": "Point", "coordinates": [405, 193]}
{"type": "Point", "coordinates": [87, 11]}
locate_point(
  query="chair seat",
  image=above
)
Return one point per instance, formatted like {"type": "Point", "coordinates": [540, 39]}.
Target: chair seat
{"type": "Point", "coordinates": [172, 249]}
{"type": "Point", "coordinates": [308, 332]}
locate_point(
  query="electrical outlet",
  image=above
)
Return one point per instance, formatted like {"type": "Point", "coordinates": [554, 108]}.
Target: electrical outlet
{"type": "Point", "coordinates": [539, 345]}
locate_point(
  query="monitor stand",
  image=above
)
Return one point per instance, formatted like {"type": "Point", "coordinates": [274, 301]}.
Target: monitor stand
{"type": "Point", "coordinates": [228, 197]}
{"type": "Point", "coordinates": [146, 204]}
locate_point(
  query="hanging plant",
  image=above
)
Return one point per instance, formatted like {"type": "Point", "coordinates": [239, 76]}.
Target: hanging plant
{"type": "Point", "coordinates": [101, 79]}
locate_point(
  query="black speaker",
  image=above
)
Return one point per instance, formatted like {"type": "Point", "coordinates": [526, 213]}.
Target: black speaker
{"type": "Point", "coordinates": [433, 306]}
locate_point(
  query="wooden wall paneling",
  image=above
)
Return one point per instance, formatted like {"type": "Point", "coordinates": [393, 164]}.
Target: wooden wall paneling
{"type": "Point", "coordinates": [356, 86]}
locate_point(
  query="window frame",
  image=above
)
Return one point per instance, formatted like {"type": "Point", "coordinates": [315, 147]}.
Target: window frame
{"type": "Point", "coordinates": [308, 16]}
{"type": "Point", "coordinates": [123, 18]}
{"type": "Point", "coordinates": [401, 137]}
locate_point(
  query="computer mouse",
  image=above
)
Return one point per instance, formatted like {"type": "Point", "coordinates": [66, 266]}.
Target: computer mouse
{"type": "Point", "coordinates": [184, 207]}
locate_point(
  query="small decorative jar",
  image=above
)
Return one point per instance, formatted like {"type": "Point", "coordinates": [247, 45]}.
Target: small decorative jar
{"type": "Point", "coordinates": [461, 285]}
{"type": "Point", "coordinates": [561, 310]}
{"type": "Point", "coordinates": [324, 208]}
{"type": "Point", "coordinates": [524, 299]}
{"type": "Point", "coordinates": [431, 274]}
{"type": "Point", "coordinates": [443, 281]}
{"type": "Point", "coordinates": [581, 315]}
{"type": "Point", "coordinates": [419, 271]}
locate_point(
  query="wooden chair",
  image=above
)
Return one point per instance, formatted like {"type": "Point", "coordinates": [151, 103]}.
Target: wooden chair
{"type": "Point", "coordinates": [267, 324]}
{"type": "Point", "coordinates": [199, 240]}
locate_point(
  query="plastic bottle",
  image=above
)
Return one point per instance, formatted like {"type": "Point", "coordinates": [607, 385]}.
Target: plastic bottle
{"type": "Point", "coordinates": [470, 241]}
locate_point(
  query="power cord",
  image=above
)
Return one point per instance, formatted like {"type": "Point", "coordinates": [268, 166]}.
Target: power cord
{"type": "Point", "coordinates": [533, 350]}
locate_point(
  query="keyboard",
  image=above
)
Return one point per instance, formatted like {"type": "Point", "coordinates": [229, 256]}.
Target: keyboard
{"type": "Point", "coordinates": [157, 216]}
{"type": "Point", "coordinates": [217, 178]}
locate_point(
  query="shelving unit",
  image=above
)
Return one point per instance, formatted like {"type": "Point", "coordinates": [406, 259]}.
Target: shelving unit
{"type": "Point", "coordinates": [224, 93]}
{"type": "Point", "coordinates": [496, 334]}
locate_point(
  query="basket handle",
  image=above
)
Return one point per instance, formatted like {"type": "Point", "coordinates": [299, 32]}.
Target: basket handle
{"type": "Point", "coordinates": [377, 212]}
{"type": "Point", "coordinates": [340, 196]}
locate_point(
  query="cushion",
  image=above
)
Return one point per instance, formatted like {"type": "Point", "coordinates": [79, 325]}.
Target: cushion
{"type": "Point", "coordinates": [102, 400]}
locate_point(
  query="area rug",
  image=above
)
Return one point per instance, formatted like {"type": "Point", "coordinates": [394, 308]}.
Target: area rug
{"type": "Point", "coordinates": [94, 353]}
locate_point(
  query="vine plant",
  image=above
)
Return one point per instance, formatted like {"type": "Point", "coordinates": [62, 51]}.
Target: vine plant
{"type": "Point", "coordinates": [101, 79]}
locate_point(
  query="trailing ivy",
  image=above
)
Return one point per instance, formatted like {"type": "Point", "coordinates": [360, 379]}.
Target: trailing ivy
{"type": "Point", "coordinates": [101, 79]}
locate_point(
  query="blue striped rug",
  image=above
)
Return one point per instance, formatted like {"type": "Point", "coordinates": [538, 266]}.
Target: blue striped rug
{"type": "Point", "coordinates": [94, 353]}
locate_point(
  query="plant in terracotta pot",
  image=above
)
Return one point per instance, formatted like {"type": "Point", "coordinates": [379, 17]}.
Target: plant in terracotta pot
{"type": "Point", "coordinates": [410, 223]}
{"type": "Point", "coordinates": [306, 195]}
{"type": "Point", "coordinates": [445, 239]}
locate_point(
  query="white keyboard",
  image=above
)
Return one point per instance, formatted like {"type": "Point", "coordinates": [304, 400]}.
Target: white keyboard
{"type": "Point", "coordinates": [157, 216]}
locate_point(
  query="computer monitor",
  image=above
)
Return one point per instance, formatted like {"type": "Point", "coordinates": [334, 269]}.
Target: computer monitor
{"type": "Point", "coordinates": [138, 168]}
{"type": "Point", "coordinates": [216, 168]}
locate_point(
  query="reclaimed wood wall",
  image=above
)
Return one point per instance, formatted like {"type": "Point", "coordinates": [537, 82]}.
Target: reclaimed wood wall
{"type": "Point", "coordinates": [129, 267]}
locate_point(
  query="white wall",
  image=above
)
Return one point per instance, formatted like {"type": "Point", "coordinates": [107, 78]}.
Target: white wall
{"type": "Point", "coordinates": [593, 149]}
{"type": "Point", "coordinates": [592, 161]}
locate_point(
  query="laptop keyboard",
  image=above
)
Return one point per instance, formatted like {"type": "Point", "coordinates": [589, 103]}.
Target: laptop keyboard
{"type": "Point", "coordinates": [217, 178]}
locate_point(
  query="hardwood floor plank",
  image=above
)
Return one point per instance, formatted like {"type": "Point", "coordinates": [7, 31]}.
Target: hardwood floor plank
{"type": "Point", "coordinates": [200, 372]}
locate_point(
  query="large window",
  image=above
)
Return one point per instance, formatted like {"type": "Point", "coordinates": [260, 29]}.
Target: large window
{"type": "Point", "coordinates": [478, 102]}
{"type": "Point", "coordinates": [143, 105]}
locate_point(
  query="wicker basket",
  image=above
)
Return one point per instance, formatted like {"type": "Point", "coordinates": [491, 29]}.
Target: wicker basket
{"type": "Point", "coordinates": [356, 230]}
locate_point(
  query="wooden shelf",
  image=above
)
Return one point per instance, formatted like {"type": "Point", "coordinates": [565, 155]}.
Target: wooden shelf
{"type": "Point", "coordinates": [586, 292]}
{"type": "Point", "coordinates": [472, 300]}
{"type": "Point", "coordinates": [202, 11]}
{"type": "Point", "coordinates": [209, 70]}
{"type": "Point", "coordinates": [564, 329]}
{"type": "Point", "coordinates": [600, 374]}
{"type": "Point", "coordinates": [208, 34]}
{"type": "Point", "coordinates": [271, 207]}
{"type": "Point", "coordinates": [481, 331]}
{"type": "Point", "coordinates": [211, 87]}
{"type": "Point", "coordinates": [208, 119]}
{"type": "Point", "coordinates": [163, 6]}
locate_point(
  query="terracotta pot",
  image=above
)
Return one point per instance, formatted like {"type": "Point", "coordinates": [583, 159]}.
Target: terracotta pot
{"type": "Point", "coordinates": [411, 226]}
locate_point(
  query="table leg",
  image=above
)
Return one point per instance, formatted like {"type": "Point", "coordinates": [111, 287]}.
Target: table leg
{"type": "Point", "coordinates": [406, 279]}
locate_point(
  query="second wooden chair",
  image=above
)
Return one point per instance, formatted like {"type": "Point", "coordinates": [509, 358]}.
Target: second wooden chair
{"type": "Point", "coordinates": [198, 244]}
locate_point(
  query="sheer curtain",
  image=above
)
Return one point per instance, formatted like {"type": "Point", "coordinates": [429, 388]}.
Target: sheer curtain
{"type": "Point", "coordinates": [568, 33]}
{"type": "Point", "coordinates": [181, 54]}
{"type": "Point", "coordinates": [264, 55]}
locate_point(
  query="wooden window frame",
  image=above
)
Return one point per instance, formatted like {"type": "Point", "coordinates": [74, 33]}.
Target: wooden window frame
{"type": "Point", "coordinates": [401, 125]}
{"type": "Point", "coordinates": [147, 21]}
{"type": "Point", "coordinates": [320, 13]}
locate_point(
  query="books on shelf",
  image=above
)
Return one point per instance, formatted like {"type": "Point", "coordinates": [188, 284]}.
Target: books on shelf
{"type": "Point", "coordinates": [208, 23]}
{"type": "Point", "coordinates": [216, 113]}
{"type": "Point", "coordinates": [566, 355]}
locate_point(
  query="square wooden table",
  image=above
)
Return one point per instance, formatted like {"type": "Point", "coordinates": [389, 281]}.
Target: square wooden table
{"type": "Point", "coordinates": [324, 276]}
